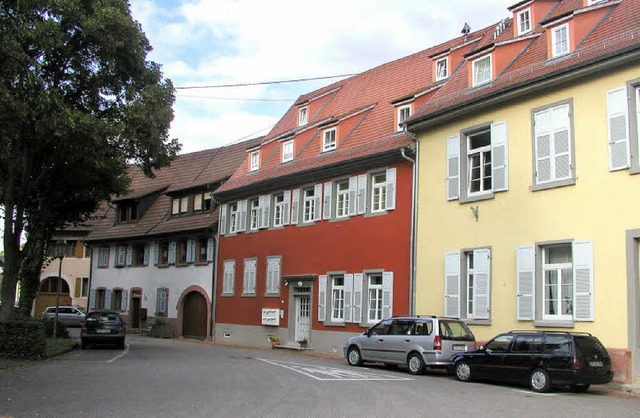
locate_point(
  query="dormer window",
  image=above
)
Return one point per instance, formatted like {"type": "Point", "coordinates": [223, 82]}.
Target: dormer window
{"type": "Point", "coordinates": [254, 160]}
{"type": "Point", "coordinates": [560, 42]}
{"type": "Point", "coordinates": [591, 2]}
{"type": "Point", "coordinates": [127, 212]}
{"type": "Point", "coordinates": [482, 70]}
{"type": "Point", "coordinates": [329, 139]}
{"type": "Point", "coordinates": [442, 69]}
{"type": "Point", "coordinates": [524, 21]}
{"type": "Point", "coordinates": [404, 112]}
{"type": "Point", "coordinates": [287, 151]}
{"type": "Point", "coordinates": [202, 202]}
{"type": "Point", "coordinates": [303, 116]}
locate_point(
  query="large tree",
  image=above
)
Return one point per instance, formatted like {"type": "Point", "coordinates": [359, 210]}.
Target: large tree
{"type": "Point", "coordinates": [78, 102]}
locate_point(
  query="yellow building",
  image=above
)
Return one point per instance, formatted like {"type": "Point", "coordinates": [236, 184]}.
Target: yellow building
{"type": "Point", "coordinates": [527, 194]}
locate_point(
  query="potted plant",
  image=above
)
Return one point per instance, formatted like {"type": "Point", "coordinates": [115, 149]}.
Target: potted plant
{"type": "Point", "coordinates": [303, 342]}
{"type": "Point", "coordinates": [275, 341]}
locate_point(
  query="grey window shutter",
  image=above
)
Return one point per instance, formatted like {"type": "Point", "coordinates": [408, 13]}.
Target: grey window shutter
{"type": "Point", "coordinates": [265, 206]}
{"type": "Point", "coordinates": [348, 298]}
{"type": "Point", "coordinates": [453, 167]}
{"type": "Point", "coordinates": [525, 297]}
{"type": "Point", "coordinates": [618, 127]}
{"type": "Point", "coordinates": [322, 297]}
{"type": "Point", "coordinates": [583, 280]}
{"type": "Point", "coordinates": [482, 267]}
{"type": "Point", "coordinates": [129, 255]}
{"type": "Point", "coordinates": [317, 207]}
{"type": "Point", "coordinates": [222, 219]}
{"type": "Point", "coordinates": [191, 250]}
{"type": "Point", "coordinates": [124, 301]}
{"type": "Point", "coordinates": [326, 207]}
{"type": "Point", "coordinates": [563, 162]}
{"type": "Point", "coordinates": [92, 302]}
{"type": "Point", "coordinates": [353, 195]}
{"type": "Point", "coordinates": [542, 145]}
{"type": "Point", "coordinates": [287, 206]}
{"type": "Point", "coordinates": [295, 206]}
{"type": "Point", "coordinates": [357, 297]}
{"type": "Point", "coordinates": [500, 156]}
{"type": "Point", "coordinates": [362, 194]}
{"type": "Point", "coordinates": [452, 284]}
{"type": "Point", "coordinates": [391, 188]}
{"type": "Point", "coordinates": [172, 252]}
{"type": "Point", "coordinates": [210, 249]}
{"type": "Point", "coordinates": [156, 252]}
{"type": "Point", "coordinates": [107, 299]}
{"type": "Point", "coordinates": [147, 248]}
{"type": "Point", "coordinates": [387, 294]}
{"type": "Point", "coordinates": [242, 209]}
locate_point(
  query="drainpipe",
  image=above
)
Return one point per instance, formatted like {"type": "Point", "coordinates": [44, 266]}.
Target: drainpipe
{"type": "Point", "coordinates": [414, 208]}
{"type": "Point", "coordinates": [216, 242]}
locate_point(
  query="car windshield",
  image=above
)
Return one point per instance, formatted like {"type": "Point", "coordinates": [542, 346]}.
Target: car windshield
{"type": "Point", "coordinates": [455, 330]}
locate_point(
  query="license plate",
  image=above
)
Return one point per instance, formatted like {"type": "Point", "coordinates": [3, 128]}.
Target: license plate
{"type": "Point", "coordinates": [460, 347]}
{"type": "Point", "coordinates": [103, 331]}
{"type": "Point", "coordinates": [595, 363]}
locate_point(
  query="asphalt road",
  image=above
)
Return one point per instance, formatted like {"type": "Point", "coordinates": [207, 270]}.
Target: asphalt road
{"type": "Point", "coordinates": [171, 378]}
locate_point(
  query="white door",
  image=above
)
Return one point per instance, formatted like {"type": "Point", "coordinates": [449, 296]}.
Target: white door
{"type": "Point", "coordinates": [303, 317]}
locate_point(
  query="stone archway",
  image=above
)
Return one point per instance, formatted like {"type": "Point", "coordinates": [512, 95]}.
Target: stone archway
{"type": "Point", "coordinates": [194, 313]}
{"type": "Point", "coordinates": [47, 294]}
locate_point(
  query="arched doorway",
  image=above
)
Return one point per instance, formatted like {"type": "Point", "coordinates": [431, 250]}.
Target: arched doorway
{"type": "Point", "coordinates": [194, 316]}
{"type": "Point", "coordinates": [47, 294]}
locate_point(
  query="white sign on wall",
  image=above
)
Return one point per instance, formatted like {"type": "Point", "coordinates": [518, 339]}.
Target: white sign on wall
{"type": "Point", "coordinates": [270, 317]}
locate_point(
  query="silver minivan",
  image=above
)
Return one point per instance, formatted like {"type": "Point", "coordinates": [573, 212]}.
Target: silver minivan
{"type": "Point", "coordinates": [71, 316]}
{"type": "Point", "coordinates": [415, 341]}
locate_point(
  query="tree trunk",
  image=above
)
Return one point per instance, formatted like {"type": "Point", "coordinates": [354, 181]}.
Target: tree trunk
{"type": "Point", "coordinates": [12, 232]}
{"type": "Point", "coordinates": [32, 260]}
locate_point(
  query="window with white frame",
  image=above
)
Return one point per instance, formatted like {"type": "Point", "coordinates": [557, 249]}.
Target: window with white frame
{"type": "Point", "coordinates": [342, 198]}
{"type": "Point", "coordinates": [228, 277]}
{"type": "Point", "coordinates": [254, 214]}
{"type": "Point", "coordinates": [404, 112]}
{"type": "Point", "coordinates": [378, 192]}
{"type": "Point", "coordinates": [279, 209]}
{"type": "Point", "coordinates": [442, 68]}
{"type": "Point", "coordinates": [103, 257]}
{"type": "Point", "coordinates": [329, 139]}
{"type": "Point", "coordinates": [337, 298]}
{"type": "Point", "coordinates": [249, 279]}
{"type": "Point", "coordinates": [555, 282]}
{"type": "Point", "coordinates": [121, 255]}
{"type": "Point", "coordinates": [255, 160]}
{"type": "Point", "coordinates": [309, 205]}
{"type": "Point", "coordinates": [468, 284]}
{"type": "Point", "coordinates": [375, 297]}
{"type": "Point", "coordinates": [234, 217]}
{"type": "Point", "coordinates": [273, 275]}
{"type": "Point", "coordinates": [303, 116]}
{"type": "Point", "coordinates": [477, 163]}
{"type": "Point", "coordinates": [482, 72]}
{"type": "Point", "coordinates": [560, 42]}
{"type": "Point", "coordinates": [553, 146]}
{"type": "Point", "coordinates": [287, 151]}
{"type": "Point", "coordinates": [524, 21]}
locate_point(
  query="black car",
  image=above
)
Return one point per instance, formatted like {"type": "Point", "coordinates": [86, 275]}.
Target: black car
{"type": "Point", "coordinates": [540, 359]}
{"type": "Point", "coordinates": [103, 327]}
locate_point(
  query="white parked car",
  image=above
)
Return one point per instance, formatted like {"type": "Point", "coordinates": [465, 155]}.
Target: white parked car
{"type": "Point", "coordinates": [71, 316]}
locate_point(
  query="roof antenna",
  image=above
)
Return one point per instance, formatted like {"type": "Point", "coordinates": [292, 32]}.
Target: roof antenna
{"type": "Point", "coordinates": [465, 30]}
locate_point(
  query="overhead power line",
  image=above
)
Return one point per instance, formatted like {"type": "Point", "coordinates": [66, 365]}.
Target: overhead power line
{"type": "Point", "coordinates": [259, 83]}
{"type": "Point", "coordinates": [235, 98]}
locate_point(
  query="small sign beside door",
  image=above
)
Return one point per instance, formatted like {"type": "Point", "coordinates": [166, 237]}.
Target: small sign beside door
{"type": "Point", "coordinates": [270, 317]}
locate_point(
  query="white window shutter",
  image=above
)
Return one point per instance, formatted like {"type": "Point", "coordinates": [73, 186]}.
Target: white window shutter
{"type": "Point", "coordinates": [107, 299]}
{"type": "Point", "coordinates": [618, 127]}
{"type": "Point", "coordinates": [387, 294]}
{"type": "Point", "coordinates": [265, 207]}
{"type": "Point", "coordinates": [326, 205]}
{"type": "Point", "coordinates": [156, 252]}
{"type": "Point", "coordinates": [191, 250]}
{"type": "Point", "coordinates": [317, 197]}
{"type": "Point", "coordinates": [362, 194]}
{"type": "Point", "coordinates": [287, 206]}
{"type": "Point", "coordinates": [129, 255]}
{"type": "Point", "coordinates": [223, 219]}
{"type": "Point", "coordinates": [242, 209]}
{"type": "Point", "coordinates": [452, 284]}
{"type": "Point", "coordinates": [542, 144]}
{"type": "Point", "coordinates": [145, 260]}
{"type": "Point", "coordinates": [210, 249]}
{"type": "Point", "coordinates": [391, 188]}
{"type": "Point", "coordinates": [500, 156]}
{"type": "Point", "coordinates": [348, 298]}
{"type": "Point", "coordinates": [124, 301]}
{"type": "Point", "coordinates": [525, 298]}
{"type": "Point", "coordinates": [482, 268]}
{"type": "Point", "coordinates": [453, 167]}
{"type": "Point", "coordinates": [322, 297]}
{"type": "Point", "coordinates": [353, 195]}
{"type": "Point", "coordinates": [172, 252]}
{"type": "Point", "coordinates": [295, 206]}
{"type": "Point", "coordinates": [561, 121]}
{"type": "Point", "coordinates": [357, 297]}
{"type": "Point", "coordinates": [583, 281]}
{"type": "Point", "coordinates": [92, 303]}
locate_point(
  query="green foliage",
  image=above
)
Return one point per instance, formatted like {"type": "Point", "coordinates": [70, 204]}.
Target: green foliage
{"type": "Point", "coordinates": [61, 329]}
{"type": "Point", "coordinates": [22, 339]}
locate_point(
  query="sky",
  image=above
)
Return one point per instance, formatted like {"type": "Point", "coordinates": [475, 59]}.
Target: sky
{"type": "Point", "coordinates": [222, 42]}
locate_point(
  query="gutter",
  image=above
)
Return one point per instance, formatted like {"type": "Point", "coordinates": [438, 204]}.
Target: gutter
{"type": "Point", "coordinates": [414, 209]}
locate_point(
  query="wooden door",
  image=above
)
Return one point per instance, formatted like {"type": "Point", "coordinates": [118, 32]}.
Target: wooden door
{"type": "Point", "coordinates": [194, 316]}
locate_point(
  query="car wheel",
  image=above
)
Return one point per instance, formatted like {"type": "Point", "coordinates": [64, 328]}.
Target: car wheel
{"type": "Point", "coordinates": [353, 357]}
{"type": "Point", "coordinates": [540, 381]}
{"type": "Point", "coordinates": [463, 371]}
{"type": "Point", "coordinates": [415, 363]}
{"type": "Point", "coordinates": [580, 388]}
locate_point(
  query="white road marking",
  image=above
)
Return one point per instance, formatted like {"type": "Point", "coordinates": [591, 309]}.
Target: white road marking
{"type": "Point", "coordinates": [126, 350]}
{"type": "Point", "coordinates": [331, 373]}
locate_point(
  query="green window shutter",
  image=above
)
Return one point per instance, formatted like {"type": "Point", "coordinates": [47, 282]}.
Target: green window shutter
{"type": "Point", "coordinates": [387, 294]}
{"type": "Point", "coordinates": [322, 297]}
{"type": "Point", "coordinates": [583, 281]}
{"type": "Point", "coordinates": [525, 298]}
{"type": "Point", "coordinates": [618, 129]}
{"type": "Point", "coordinates": [482, 267]}
{"type": "Point", "coordinates": [500, 156]}
{"type": "Point", "coordinates": [453, 167]}
{"type": "Point", "coordinates": [452, 284]}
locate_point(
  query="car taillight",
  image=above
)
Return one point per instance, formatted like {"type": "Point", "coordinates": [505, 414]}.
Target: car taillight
{"type": "Point", "coordinates": [437, 343]}
{"type": "Point", "coordinates": [575, 364]}
{"type": "Point", "coordinates": [120, 329]}
{"type": "Point", "coordinates": [83, 329]}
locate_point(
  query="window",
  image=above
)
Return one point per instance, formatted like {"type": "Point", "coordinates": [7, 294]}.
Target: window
{"type": "Point", "coordinates": [482, 72]}
{"type": "Point", "coordinates": [442, 69]}
{"type": "Point", "coordinates": [337, 298]}
{"type": "Point", "coordinates": [229, 277]}
{"type": "Point", "coordinates": [329, 140]}
{"type": "Point", "coordinates": [527, 343]}
{"type": "Point", "coordinates": [375, 297]}
{"type": "Point", "coordinates": [309, 205]}
{"type": "Point", "coordinates": [560, 40]}
{"type": "Point", "coordinates": [162, 302]}
{"type": "Point", "coordinates": [163, 249]}
{"type": "Point", "coordinates": [483, 163]}
{"type": "Point", "coordinates": [121, 255]}
{"type": "Point", "coordinates": [468, 284]}
{"type": "Point", "coordinates": [524, 21]}
{"type": "Point", "coordinates": [84, 292]}
{"type": "Point", "coordinates": [181, 254]}
{"type": "Point", "coordinates": [254, 214]}
{"type": "Point", "coordinates": [234, 217]}
{"type": "Point", "coordinates": [273, 275]}
{"type": "Point", "coordinates": [280, 208]}
{"type": "Point", "coordinates": [342, 199]}
{"type": "Point", "coordinates": [590, 2]}
{"type": "Point", "coordinates": [202, 202]}
{"type": "Point", "coordinates": [499, 344]}
{"type": "Point", "coordinates": [70, 248]}
{"type": "Point", "coordinates": [116, 299]}
{"type": "Point", "coordinates": [555, 283]}
{"type": "Point", "coordinates": [255, 160]}
{"type": "Point", "coordinates": [249, 279]}
{"type": "Point", "coordinates": [553, 147]}
{"type": "Point", "coordinates": [302, 116]}
{"type": "Point", "coordinates": [127, 212]}
{"type": "Point", "coordinates": [140, 255]}
{"type": "Point", "coordinates": [99, 300]}
{"type": "Point", "coordinates": [202, 250]}
{"type": "Point", "coordinates": [378, 192]}
{"type": "Point", "coordinates": [404, 112]}
{"type": "Point", "coordinates": [175, 206]}
{"type": "Point", "coordinates": [103, 257]}
{"type": "Point", "coordinates": [287, 151]}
